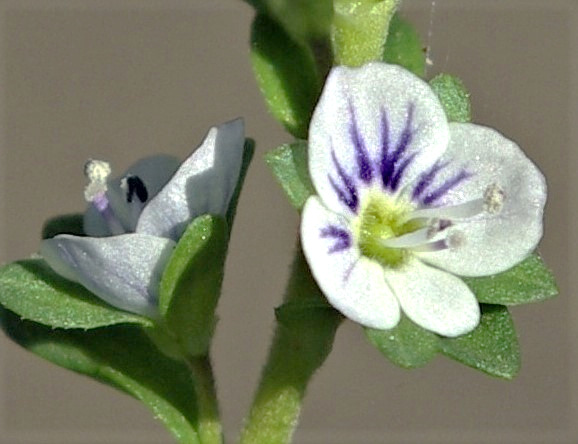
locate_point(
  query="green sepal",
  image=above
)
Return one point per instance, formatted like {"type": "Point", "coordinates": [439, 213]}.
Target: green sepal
{"type": "Point", "coordinates": [191, 284]}
{"type": "Point", "coordinates": [248, 151]}
{"type": "Point", "coordinates": [491, 348]}
{"type": "Point", "coordinates": [403, 46]}
{"type": "Point", "coordinates": [359, 30]}
{"type": "Point", "coordinates": [406, 345]}
{"type": "Point", "coordinates": [121, 357]}
{"type": "Point", "coordinates": [454, 97]}
{"type": "Point", "coordinates": [33, 291]}
{"type": "Point", "coordinates": [289, 164]}
{"type": "Point", "coordinates": [529, 281]}
{"type": "Point", "coordinates": [286, 74]}
{"type": "Point", "coordinates": [65, 224]}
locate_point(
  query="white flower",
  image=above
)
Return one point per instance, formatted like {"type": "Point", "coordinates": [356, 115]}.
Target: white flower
{"type": "Point", "coordinates": [406, 202]}
{"type": "Point", "coordinates": [136, 220]}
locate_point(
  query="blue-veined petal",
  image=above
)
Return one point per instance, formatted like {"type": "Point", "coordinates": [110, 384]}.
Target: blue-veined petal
{"type": "Point", "coordinates": [124, 270]}
{"type": "Point", "coordinates": [153, 171]}
{"type": "Point", "coordinates": [204, 184]}
{"type": "Point", "coordinates": [500, 237]}
{"type": "Point", "coordinates": [434, 299]}
{"type": "Point", "coordinates": [374, 125]}
{"type": "Point", "coordinates": [353, 284]}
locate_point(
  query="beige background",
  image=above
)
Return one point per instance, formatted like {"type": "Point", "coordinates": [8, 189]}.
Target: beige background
{"type": "Point", "coordinates": [120, 79]}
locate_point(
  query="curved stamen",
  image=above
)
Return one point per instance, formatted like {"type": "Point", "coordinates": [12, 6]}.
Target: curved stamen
{"type": "Point", "coordinates": [97, 172]}
{"type": "Point", "coordinates": [453, 240]}
{"type": "Point", "coordinates": [408, 240]}
{"type": "Point", "coordinates": [461, 211]}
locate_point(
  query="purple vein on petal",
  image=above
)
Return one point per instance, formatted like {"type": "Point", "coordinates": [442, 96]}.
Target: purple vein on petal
{"type": "Point", "coordinates": [398, 174]}
{"type": "Point", "coordinates": [341, 236]}
{"type": "Point", "coordinates": [444, 188]}
{"type": "Point", "coordinates": [426, 179]}
{"type": "Point", "coordinates": [365, 171]}
{"type": "Point", "coordinates": [394, 161]}
{"type": "Point", "coordinates": [348, 193]}
{"type": "Point", "coordinates": [384, 130]}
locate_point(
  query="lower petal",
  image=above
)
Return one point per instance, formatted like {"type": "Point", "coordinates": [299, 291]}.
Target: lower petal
{"type": "Point", "coordinates": [353, 284]}
{"type": "Point", "coordinates": [124, 270]}
{"type": "Point", "coordinates": [434, 299]}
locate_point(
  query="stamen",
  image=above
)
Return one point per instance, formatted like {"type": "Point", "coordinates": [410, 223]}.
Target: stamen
{"type": "Point", "coordinates": [494, 197]}
{"type": "Point", "coordinates": [408, 240]}
{"type": "Point", "coordinates": [97, 172]}
{"type": "Point", "coordinates": [461, 211]}
{"type": "Point", "coordinates": [454, 240]}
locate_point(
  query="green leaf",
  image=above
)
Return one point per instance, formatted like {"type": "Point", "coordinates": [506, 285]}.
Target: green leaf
{"type": "Point", "coordinates": [407, 345]}
{"type": "Point", "coordinates": [303, 20]}
{"type": "Point", "coordinates": [492, 347]}
{"type": "Point", "coordinates": [65, 224]}
{"type": "Point", "coordinates": [529, 281]}
{"type": "Point", "coordinates": [191, 283]}
{"type": "Point", "coordinates": [290, 167]}
{"type": "Point", "coordinates": [403, 46]}
{"type": "Point", "coordinates": [299, 310]}
{"type": "Point", "coordinates": [33, 291]}
{"type": "Point", "coordinates": [453, 96]}
{"type": "Point", "coordinates": [122, 357]}
{"type": "Point", "coordinates": [286, 74]}
{"type": "Point", "coordinates": [248, 151]}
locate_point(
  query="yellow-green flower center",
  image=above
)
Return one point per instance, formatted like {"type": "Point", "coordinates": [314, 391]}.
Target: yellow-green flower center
{"type": "Point", "coordinates": [383, 217]}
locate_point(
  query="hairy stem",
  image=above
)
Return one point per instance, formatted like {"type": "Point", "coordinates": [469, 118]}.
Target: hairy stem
{"type": "Point", "coordinates": [209, 424]}
{"type": "Point", "coordinates": [303, 339]}
{"type": "Point", "coordinates": [360, 29]}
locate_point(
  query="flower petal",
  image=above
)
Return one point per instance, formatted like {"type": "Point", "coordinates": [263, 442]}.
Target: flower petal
{"type": "Point", "coordinates": [374, 125]}
{"type": "Point", "coordinates": [153, 171]}
{"type": "Point", "coordinates": [353, 284]}
{"type": "Point", "coordinates": [434, 299]}
{"type": "Point", "coordinates": [494, 240]}
{"type": "Point", "coordinates": [124, 270]}
{"type": "Point", "coordinates": [204, 184]}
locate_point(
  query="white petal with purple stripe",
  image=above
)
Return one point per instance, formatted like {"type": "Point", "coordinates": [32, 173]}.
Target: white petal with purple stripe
{"type": "Point", "coordinates": [352, 283]}
{"type": "Point", "coordinates": [374, 126]}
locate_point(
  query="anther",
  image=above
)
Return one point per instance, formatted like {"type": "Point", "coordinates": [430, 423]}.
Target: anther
{"type": "Point", "coordinates": [97, 170]}
{"type": "Point", "coordinates": [134, 186]}
{"type": "Point", "coordinates": [455, 239]}
{"type": "Point", "coordinates": [494, 197]}
{"type": "Point", "coordinates": [437, 226]}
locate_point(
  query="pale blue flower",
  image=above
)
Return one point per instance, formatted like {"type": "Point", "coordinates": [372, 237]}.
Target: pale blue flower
{"type": "Point", "coordinates": [407, 202]}
{"type": "Point", "coordinates": [134, 222]}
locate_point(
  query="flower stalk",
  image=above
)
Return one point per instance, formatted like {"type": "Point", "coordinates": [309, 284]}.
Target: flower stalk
{"type": "Point", "coordinates": [209, 423]}
{"type": "Point", "coordinates": [303, 339]}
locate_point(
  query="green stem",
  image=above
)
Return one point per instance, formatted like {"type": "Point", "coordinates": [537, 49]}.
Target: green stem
{"type": "Point", "coordinates": [209, 424]}
{"type": "Point", "coordinates": [359, 30]}
{"type": "Point", "coordinates": [303, 339]}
